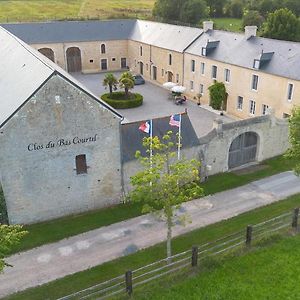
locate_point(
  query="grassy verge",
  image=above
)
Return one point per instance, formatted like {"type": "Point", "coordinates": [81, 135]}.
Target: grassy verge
{"type": "Point", "coordinates": [97, 274]}
{"type": "Point", "coordinates": [229, 24]}
{"type": "Point", "coordinates": [268, 271]}
{"type": "Point", "coordinates": [48, 232]}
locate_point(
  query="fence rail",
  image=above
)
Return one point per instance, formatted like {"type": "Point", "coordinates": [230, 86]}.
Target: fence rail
{"type": "Point", "coordinates": [188, 259]}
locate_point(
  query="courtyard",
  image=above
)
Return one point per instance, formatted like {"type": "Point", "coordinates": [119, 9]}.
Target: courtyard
{"type": "Point", "coordinates": [156, 104]}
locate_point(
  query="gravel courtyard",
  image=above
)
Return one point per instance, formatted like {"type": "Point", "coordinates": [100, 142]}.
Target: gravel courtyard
{"type": "Point", "coordinates": [156, 104]}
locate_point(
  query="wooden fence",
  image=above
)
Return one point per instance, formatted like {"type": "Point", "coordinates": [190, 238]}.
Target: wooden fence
{"type": "Point", "coordinates": [126, 283]}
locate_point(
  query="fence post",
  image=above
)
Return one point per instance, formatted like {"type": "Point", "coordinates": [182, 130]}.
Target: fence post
{"type": "Point", "coordinates": [295, 219]}
{"type": "Point", "coordinates": [128, 282]}
{"type": "Point", "coordinates": [194, 256]}
{"type": "Point", "coordinates": [249, 235]}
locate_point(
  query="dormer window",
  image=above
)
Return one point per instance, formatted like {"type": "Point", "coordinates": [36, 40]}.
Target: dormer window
{"type": "Point", "coordinates": [264, 59]}
{"type": "Point", "coordinates": [203, 52]}
{"type": "Point", "coordinates": [210, 47]}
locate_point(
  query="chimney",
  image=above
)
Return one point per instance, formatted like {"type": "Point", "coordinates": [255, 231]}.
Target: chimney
{"type": "Point", "coordinates": [208, 25]}
{"type": "Point", "coordinates": [250, 31]}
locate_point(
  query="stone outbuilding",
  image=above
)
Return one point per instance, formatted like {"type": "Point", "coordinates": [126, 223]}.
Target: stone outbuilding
{"type": "Point", "coordinates": [60, 145]}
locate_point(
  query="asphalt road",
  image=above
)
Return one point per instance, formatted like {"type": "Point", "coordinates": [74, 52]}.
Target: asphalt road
{"type": "Point", "coordinates": [49, 262]}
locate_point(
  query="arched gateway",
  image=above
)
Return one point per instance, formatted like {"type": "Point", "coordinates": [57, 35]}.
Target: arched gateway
{"type": "Point", "coordinates": [243, 150]}
{"type": "Point", "coordinates": [74, 59]}
{"type": "Point", "coordinates": [47, 52]}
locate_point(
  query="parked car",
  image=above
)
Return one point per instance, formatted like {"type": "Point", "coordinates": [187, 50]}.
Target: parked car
{"type": "Point", "coordinates": [138, 79]}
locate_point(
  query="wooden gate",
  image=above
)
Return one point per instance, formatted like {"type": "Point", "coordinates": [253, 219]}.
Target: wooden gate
{"type": "Point", "coordinates": [47, 52]}
{"type": "Point", "coordinates": [74, 59]}
{"type": "Point", "coordinates": [242, 150]}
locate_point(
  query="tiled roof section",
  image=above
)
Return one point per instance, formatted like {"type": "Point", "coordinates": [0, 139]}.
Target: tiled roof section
{"type": "Point", "coordinates": [132, 137]}
{"type": "Point", "coordinates": [235, 49]}
{"type": "Point", "coordinates": [167, 36]}
{"type": "Point", "coordinates": [22, 71]}
{"type": "Point", "coordinates": [71, 31]}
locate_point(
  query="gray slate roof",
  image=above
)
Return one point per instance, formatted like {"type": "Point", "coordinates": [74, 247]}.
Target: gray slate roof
{"type": "Point", "coordinates": [22, 71]}
{"type": "Point", "coordinates": [234, 48]}
{"type": "Point", "coordinates": [162, 35]}
{"type": "Point", "coordinates": [132, 137]}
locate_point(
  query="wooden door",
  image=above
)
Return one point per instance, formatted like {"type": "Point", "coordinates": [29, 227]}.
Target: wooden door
{"type": "Point", "coordinates": [74, 59]}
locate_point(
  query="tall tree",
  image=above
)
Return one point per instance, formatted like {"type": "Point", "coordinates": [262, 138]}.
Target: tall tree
{"type": "Point", "coordinates": [192, 11]}
{"type": "Point", "coordinates": [216, 7]}
{"type": "Point", "coordinates": [165, 182]}
{"type": "Point", "coordinates": [268, 6]}
{"type": "Point", "coordinates": [10, 236]}
{"type": "Point", "coordinates": [111, 81]}
{"type": "Point", "coordinates": [294, 137]}
{"type": "Point", "coordinates": [235, 9]}
{"type": "Point", "coordinates": [293, 5]}
{"type": "Point", "coordinates": [126, 82]}
{"type": "Point", "coordinates": [282, 25]}
{"type": "Point", "coordinates": [168, 9]}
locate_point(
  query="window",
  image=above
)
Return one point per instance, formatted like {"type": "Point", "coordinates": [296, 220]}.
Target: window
{"type": "Point", "coordinates": [162, 72]}
{"type": "Point", "coordinates": [154, 73]}
{"type": "Point", "coordinates": [103, 49]}
{"type": "Point", "coordinates": [202, 68]}
{"type": "Point", "coordinates": [81, 167]}
{"type": "Point", "coordinates": [177, 78]}
{"type": "Point", "coordinates": [91, 60]}
{"type": "Point", "coordinates": [103, 64]}
{"type": "Point", "coordinates": [264, 109]}
{"type": "Point", "coordinates": [141, 51]}
{"type": "Point", "coordinates": [286, 116]}
{"type": "Point", "coordinates": [201, 89]}
{"type": "Point", "coordinates": [113, 59]}
{"type": "Point", "coordinates": [203, 51]}
{"type": "Point", "coordinates": [254, 82]}
{"type": "Point", "coordinates": [227, 75]}
{"type": "Point", "coordinates": [240, 101]}
{"type": "Point", "coordinates": [147, 67]}
{"type": "Point", "coordinates": [191, 85]}
{"type": "Point", "coordinates": [214, 72]}
{"type": "Point", "coordinates": [252, 107]}
{"type": "Point", "coordinates": [193, 65]}
{"type": "Point", "coordinates": [170, 59]}
{"type": "Point", "coordinates": [290, 91]}
{"type": "Point", "coordinates": [135, 62]}
{"type": "Point", "coordinates": [123, 63]}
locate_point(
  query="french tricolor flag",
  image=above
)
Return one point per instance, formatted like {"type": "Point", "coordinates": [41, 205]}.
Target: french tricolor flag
{"type": "Point", "coordinates": [146, 127]}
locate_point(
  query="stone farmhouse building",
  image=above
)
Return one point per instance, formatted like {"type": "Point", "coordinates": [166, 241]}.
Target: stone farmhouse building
{"type": "Point", "coordinates": [64, 151]}
{"type": "Point", "coordinates": [259, 73]}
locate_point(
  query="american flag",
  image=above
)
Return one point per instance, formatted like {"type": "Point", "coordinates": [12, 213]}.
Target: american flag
{"type": "Point", "coordinates": [146, 127]}
{"type": "Point", "coordinates": [175, 120]}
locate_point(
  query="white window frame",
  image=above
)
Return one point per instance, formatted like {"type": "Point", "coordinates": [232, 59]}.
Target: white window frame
{"type": "Point", "coordinates": [292, 94]}
{"type": "Point", "coordinates": [227, 72]}
{"type": "Point", "coordinates": [264, 109]}
{"type": "Point", "coordinates": [202, 68]}
{"type": "Point", "coordinates": [252, 81]}
{"type": "Point", "coordinates": [252, 108]}
{"type": "Point", "coordinates": [212, 67]}
{"type": "Point", "coordinates": [238, 107]}
{"type": "Point", "coordinates": [192, 85]}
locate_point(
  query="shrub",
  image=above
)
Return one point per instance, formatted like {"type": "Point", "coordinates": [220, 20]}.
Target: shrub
{"type": "Point", "coordinates": [118, 100]}
{"type": "Point", "coordinates": [218, 95]}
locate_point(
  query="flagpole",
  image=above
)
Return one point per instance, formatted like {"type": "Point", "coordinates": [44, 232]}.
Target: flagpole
{"type": "Point", "coordinates": [179, 137]}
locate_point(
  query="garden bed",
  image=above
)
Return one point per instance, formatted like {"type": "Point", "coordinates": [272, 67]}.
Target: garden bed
{"type": "Point", "coordinates": [119, 100]}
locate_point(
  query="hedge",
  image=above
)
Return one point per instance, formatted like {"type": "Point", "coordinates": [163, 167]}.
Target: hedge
{"type": "Point", "coordinates": [117, 100]}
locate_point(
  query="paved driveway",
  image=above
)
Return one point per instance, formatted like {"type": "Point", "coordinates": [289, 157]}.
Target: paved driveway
{"type": "Point", "coordinates": [81, 252]}
{"type": "Point", "coordinates": [156, 104]}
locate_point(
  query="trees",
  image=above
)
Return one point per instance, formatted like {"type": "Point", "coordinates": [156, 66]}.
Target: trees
{"type": "Point", "coordinates": [192, 11]}
{"type": "Point", "coordinates": [294, 137]}
{"type": "Point", "coordinates": [10, 236]}
{"type": "Point", "coordinates": [235, 9]}
{"type": "Point", "coordinates": [111, 81]}
{"type": "Point", "coordinates": [216, 7]}
{"type": "Point", "coordinates": [282, 25]}
{"type": "Point", "coordinates": [218, 95]}
{"type": "Point", "coordinates": [168, 9]}
{"type": "Point", "coordinates": [252, 17]}
{"type": "Point", "coordinates": [164, 183]}
{"type": "Point", "coordinates": [126, 82]}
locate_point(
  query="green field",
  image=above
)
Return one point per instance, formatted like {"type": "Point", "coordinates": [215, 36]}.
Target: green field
{"type": "Point", "coordinates": [228, 24]}
{"type": "Point", "coordinates": [35, 10]}
{"type": "Point", "coordinates": [267, 272]}
{"type": "Point", "coordinates": [95, 275]}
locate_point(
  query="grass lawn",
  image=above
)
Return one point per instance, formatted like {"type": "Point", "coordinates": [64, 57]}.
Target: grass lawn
{"type": "Point", "coordinates": [37, 10]}
{"type": "Point", "coordinates": [269, 272]}
{"type": "Point", "coordinates": [229, 24]}
{"type": "Point", "coordinates": [52, 231]}
{"type": "Point", "coordinates": [98, 274]}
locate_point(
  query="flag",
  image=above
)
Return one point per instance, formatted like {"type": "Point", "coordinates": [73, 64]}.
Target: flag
{"type": "Point", "coordinates": [145, 127]}
{"type": "Point", "coordinates": [175, 120]}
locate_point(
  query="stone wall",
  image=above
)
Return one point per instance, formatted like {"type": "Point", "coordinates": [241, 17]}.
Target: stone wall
{"type": "Point", "coordinates": [38, 149]}
{"type": "Point", "coordinates": [213, 149]}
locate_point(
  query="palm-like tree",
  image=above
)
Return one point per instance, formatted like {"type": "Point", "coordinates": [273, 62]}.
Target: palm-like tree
{"type": "Point", "coordinates": [126, 82]}
{"type": "Point", "coordinates": [111, 81]}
